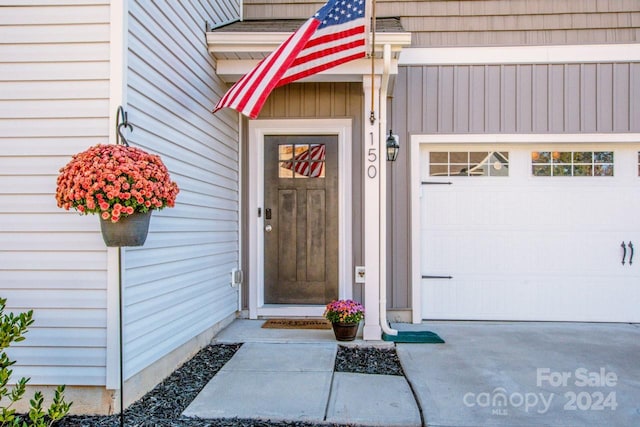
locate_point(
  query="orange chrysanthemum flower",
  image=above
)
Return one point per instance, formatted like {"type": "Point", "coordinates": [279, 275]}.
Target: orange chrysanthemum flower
{"type": "Point", "coordinates": [115, 181]}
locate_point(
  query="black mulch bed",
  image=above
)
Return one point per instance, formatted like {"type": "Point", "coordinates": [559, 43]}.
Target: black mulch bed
{"type": "Point", "coordinates": [368, 360]}
{"type": "Point", "coordinates": [164, 405]}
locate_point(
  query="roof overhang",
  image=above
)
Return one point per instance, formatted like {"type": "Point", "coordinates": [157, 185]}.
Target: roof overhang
{"type": "Point", "coordinates": [237, 53]}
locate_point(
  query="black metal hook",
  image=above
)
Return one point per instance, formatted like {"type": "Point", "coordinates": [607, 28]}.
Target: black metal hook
{"type": "Point", "coordinates": [120, 139]}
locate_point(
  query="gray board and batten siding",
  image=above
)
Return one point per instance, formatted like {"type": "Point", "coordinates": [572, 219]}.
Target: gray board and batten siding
{"type": "Point", "coordinates": [499, 99]}
{"type": "Point", "coordinates": [526, 98]}
{"type": "Point", "coordinates": [489, 99]}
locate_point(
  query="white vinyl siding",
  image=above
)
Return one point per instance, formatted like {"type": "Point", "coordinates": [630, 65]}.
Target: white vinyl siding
{"type": "Point", "coordinates": [54, 90]}
{"type": "Point", "coordinates": [178, 284]}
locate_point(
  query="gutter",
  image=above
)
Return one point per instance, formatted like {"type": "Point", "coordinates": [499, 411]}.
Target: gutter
{"type": "Point", "coordinates": [389, 334]}
{"type": "Point", "coordinates": [384, 86]}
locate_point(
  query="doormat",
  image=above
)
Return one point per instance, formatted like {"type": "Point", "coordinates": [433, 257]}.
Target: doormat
{"type": "Point", "coordinates": [425, 337]}
{"type": "Point", "coordinates": [297, 324]}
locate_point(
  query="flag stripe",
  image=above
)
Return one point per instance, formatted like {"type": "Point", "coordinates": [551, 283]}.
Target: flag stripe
{"type": "Point", "coordinates": [327, 38]}
{"type": "Point", "coordinates": [333, 36]}
{"type": "Point", "coordinates": [269, 79]}
{"type": "Point", "coordinates": [329, 49]}
{"type": "Point", "coordinates": [317, 69]}
{"type": "Point", "coordinates": [249, 89]}
{"type": "Point", "coordinates": [332, 51]}
{"type": "Point", "coordinates": [312, 168]}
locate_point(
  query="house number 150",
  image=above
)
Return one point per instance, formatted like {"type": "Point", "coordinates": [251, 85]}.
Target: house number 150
{"type": "Point", "coordinates": [372, 158]}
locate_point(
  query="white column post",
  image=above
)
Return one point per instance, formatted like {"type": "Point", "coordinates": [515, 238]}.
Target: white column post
{"type": "Point", "coordinates": [371, 210]}
{"type": "Point", "coordinates": [117, 83]}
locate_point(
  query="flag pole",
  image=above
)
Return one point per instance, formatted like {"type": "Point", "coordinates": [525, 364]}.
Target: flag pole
{"type": "Point", "coordinates": [372, 116]}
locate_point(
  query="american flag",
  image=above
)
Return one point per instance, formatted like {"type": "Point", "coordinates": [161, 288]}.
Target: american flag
{"type": "Point", "coordinates": [309, 163]}
{"type": "Point", "coordinates": [333, 36]}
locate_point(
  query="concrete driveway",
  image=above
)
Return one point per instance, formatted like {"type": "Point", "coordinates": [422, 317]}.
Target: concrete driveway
{"type": "Point", "coordinates": [526, 374]}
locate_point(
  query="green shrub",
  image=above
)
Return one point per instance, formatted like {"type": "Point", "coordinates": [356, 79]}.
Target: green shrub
{"type": "Point", "coordinates": [12, 330]}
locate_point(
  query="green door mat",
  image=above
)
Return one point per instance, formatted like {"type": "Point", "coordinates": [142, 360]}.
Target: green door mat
{"type": "Point", "coordinates": [426, 337]}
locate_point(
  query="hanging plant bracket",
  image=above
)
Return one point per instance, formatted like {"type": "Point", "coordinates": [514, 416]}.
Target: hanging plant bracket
{"type": "Point", "coordinates": [120, 138]}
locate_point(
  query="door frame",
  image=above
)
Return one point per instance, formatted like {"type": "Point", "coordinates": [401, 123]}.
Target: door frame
{"type": "Point", "coordinates": [469, 139]}
{"type": "Point", "coordinates": [257, 131]}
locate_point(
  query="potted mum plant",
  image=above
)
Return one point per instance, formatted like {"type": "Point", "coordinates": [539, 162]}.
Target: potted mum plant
{"type": "Point", "coordinates": [345, 316]}
{"type": "Point", "coordinates": [121, 184]}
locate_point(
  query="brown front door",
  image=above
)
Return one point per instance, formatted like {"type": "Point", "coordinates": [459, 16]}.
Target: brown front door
{"type": "Point", "coordinates": [301, 219]}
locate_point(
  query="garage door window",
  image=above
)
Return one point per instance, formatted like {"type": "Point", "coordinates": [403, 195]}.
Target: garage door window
{"type": "Point", "coordinates": [469, 163]}
{"type": "Point", "coordinates": [572, 163]}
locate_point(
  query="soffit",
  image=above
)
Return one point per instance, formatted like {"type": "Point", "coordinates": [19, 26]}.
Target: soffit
{"type": "Point", "coordinates": [239, 46]}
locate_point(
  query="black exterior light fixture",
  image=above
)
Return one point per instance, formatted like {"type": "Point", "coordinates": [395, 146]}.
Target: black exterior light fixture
{"type": "Point", "coordinates": [392, 147]}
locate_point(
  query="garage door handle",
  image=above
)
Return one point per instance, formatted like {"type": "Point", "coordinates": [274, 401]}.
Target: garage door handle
{"type": "Point", "coordinates": [624, 251]}
{"type": "Point", "coordinates": [631, 254]}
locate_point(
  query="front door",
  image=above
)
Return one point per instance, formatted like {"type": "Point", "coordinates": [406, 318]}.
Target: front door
{"type": "Point", "coordinates": [301, 219]}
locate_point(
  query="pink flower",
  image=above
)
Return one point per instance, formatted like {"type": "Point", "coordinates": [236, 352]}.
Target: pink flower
{"type": "Point", "coordinates": [103, 177]}
{"type": "Point", "coordinates": [347, 311]}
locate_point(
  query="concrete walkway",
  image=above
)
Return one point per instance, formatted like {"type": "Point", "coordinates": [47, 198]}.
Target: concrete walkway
{"type": "Point", "coordinates": [487, 374]}
{"type": "Point", "coordinates": [296, 382]}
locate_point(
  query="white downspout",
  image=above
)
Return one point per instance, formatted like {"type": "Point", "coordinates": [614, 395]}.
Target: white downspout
{"type": "Point", "coordinates": [384, 84]}
{"type": "Point", "coordinates": [240, 209]}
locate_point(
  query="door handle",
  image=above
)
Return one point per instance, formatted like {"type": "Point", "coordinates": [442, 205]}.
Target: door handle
{"type": "Point", "coordinates": [631, 254]}
{"type": "Point", "coordinates": [624, 251]}
{"type": "Point", "coordinates": [268, 228]}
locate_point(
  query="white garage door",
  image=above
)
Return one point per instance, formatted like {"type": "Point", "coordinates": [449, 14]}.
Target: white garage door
{"type": "Point", "coordinates": [530, 232]}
